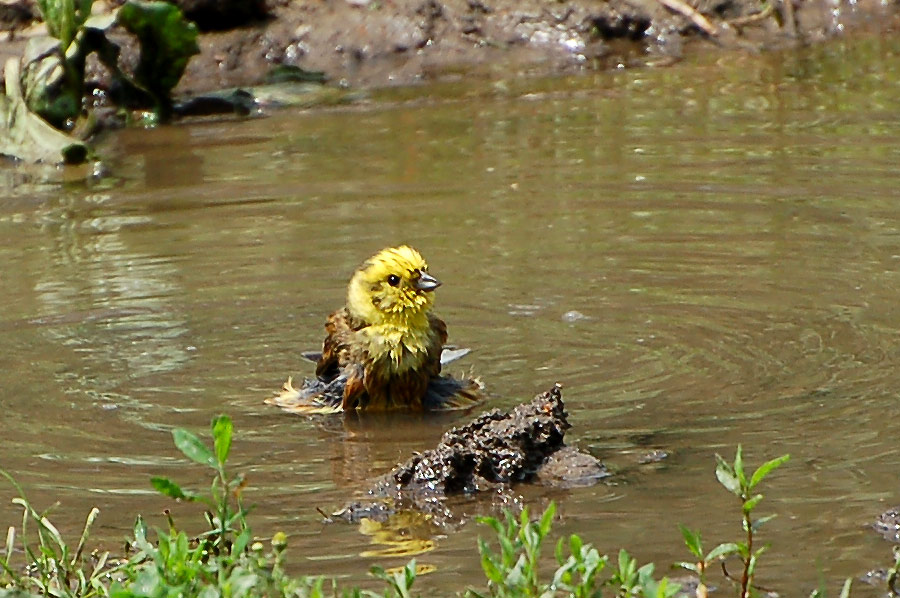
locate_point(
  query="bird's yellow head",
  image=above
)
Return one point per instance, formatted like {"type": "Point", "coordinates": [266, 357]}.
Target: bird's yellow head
{"type": "Point", "coordinates": [392, 287]}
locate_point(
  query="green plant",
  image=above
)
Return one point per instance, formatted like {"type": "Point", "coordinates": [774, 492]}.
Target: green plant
{"type": "Point", "coordinates": [893, 573]}
{"type": "Point", "coordinates": [630, 580]}
{"type": "Point", "coordinates": [514, 572]}
{"type": "Point", "coordinates": [733, 477]}
{"type": "Point", "coordinates": [167, 42]}
{"type": "Point", "coordinates": [47, 86]}
{"type": "Point", "coordinates": [821, 592]}
{"type": "Point", "coordinates": [577, 572]}
{"type": "Point", "coordinates": [53, 568]}
{"type": "Point", "coordinates": [64, 18]}
{"type": "Point", "coordinates": [217, 562]}
{"type": "Point", "coordinates": [227, 517]}
{"type": "Point", "coordinates": [399, 582]}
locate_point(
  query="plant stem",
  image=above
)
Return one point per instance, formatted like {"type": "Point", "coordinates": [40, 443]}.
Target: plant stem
{"type": "Point", "coordinates": [745, 578]}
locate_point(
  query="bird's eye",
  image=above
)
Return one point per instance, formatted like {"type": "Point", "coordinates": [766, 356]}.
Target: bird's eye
{"type": "Point", "coordinates": [393, 280]}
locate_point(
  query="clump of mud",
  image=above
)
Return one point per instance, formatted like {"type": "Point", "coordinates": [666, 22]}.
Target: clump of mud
{"type": "Point", "coordinates": [492, 452]}
{"type": "Point", "coordinates": [888, 525]}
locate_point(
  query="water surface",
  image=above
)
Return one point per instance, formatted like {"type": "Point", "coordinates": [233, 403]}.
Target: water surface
{"type": "Point", "coordinates": [730, 233]}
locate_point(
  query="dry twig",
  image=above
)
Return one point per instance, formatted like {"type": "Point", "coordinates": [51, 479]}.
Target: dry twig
{"type": "Point", "coordinates": [691, 13]}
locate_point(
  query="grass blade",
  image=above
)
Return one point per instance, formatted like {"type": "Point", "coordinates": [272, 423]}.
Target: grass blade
{"type": "Point", "coordinates": [84, 535]}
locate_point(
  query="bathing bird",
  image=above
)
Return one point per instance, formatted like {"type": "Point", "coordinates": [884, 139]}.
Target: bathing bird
{"type": "Point", "coordinates": [384, 349]}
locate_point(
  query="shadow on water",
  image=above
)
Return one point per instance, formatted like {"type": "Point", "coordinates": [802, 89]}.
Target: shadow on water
{"type": "Point", "coordinates": [703, 256]}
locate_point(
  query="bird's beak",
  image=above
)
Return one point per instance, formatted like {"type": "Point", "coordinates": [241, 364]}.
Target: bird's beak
{"type": "Point", "coordinates": [427, 282]}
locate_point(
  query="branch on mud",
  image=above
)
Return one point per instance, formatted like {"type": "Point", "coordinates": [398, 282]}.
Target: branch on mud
{"type": "Point", "coordinates": [692, 14]}
{"type": "Point", "coordinates": [750, 19]}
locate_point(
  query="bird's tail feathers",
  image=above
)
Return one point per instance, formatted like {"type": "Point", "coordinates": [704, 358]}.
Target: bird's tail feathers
{"type": "Point", "coordinates": [313, 397]}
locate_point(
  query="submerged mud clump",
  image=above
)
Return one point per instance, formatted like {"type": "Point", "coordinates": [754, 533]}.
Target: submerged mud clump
{"type": "Point", "coordinates": [491, 452]}
{"type": "Point", "coordinates": [888, 525]}
{"type": "Point", "coordinates": [495, 448]}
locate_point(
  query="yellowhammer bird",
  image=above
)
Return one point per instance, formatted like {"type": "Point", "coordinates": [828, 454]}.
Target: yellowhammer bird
{"type": "Point", "coordinates": [383, 350]}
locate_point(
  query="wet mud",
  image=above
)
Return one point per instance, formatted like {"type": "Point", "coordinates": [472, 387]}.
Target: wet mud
{"type": "Point", "coordinates": [372, 43]}
{"type": "Point", "coordinates": [491, 453]}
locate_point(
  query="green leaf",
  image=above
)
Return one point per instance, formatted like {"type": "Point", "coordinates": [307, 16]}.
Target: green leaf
{"type": "Point", "coordinates": [575, 544]}
{"type": "Point", "coordinates": [192, 447]}
{"type": "Point", "coordinates": [721, 550]}
{"type": "Point", "coordinates": [52, 531]}
{"type": "Point", "coordinates": [726, 476]}
{"type": "Point", "coordinates": [209, 592]}
{"type": "Point", "coordinates": [240, 543]}
{"type": "Point", "coordinates": [762, 521]}
{"type": "Point", "coordinates": [222, 431]}
{"type": "Point", "coordinates": [491, 522]}
{"type": "Point", "coordinates": [516, 576]}
{"type": "Point", "coordinates": [92, 516]}
{"type": "Point", "coordinates": [751, 565]}
{"type": "Point", "coordinates": [558, 552]}
{"type": "Point", "coordinates": [766, 468]}
{"type": "Point", "coordinates": [167, 487]}
{"type": "Point", "coordinates": [547, 519]}
{"type": "Point", "coordinates": [751, 502]}
{"type": "Point", "coordinates": [739, 465]}
{"type": "Point", "coordinates": [140, 537]}
{"type": "Point", "coordinates": [627, 564]}
{"type": "Point", "coordinates": [523, 518]}
{"type": "Point", "coordinates": [692, 541]}
{"type": "Point", "coordinates": [689, 566]}
{"type": "Point", "coordinates": [507, 550]}
{"type": "Point", "coordinates": [491, 571]}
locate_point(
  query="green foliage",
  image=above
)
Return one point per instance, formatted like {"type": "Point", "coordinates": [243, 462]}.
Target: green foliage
{"type": "Point", "coordinates": [577, 572]}
{"type": "Point", "coordinates": [893, 573]}
{"type": "Point", "coordinates": [226, 562]}
{"type": "Point", "coordinates": [514, 571]}
{"type": "Point", "coordinates": [64, 18]}
{"type": "Point", "coordinates": [167, 41]}
{"type": "Point", "coordinates": [216, 562]}
{"type": "Point", "coordinates": [821, 592]}
{"type": "Point", "coordinates": [55, 568]}
{"type": "Point", "coordinates": [26, 135]}
{"type": "Point", "coordinates": [733, 477]}
{"type": "Point", "coordinates": [399, 582]}
{"type": "Point", "coordinates": [52, 81]}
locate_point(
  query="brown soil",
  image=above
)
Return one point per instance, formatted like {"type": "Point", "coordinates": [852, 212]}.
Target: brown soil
{"type": "Point", "coordinates": [373, 43]}
{"type": "Point", "coordinates": [384, 42]}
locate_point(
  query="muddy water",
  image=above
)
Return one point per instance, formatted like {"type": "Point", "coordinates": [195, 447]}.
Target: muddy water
{"type": "Point", "coordinates": [704, 255]}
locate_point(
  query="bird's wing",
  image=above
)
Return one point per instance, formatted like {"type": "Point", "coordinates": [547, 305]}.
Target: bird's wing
{"type": "Point", "coordinates": [451, 354]}
{"type": "Point", "coordinates": [432, 364]}
{"type": "Point", "coordinates": [313, 356]}
{"type": "Point", "coordinates": [338, 336]}
{"type": "Point", "coordinates": [446, 393]}
{"type": "Point", "coordinates": [354, 387]}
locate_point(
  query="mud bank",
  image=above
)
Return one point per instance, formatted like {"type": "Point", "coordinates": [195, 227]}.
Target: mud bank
{"type": "Point", "coordinates": [371, 43]}
{"type": "Point", "coordinates": [385, 42]}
